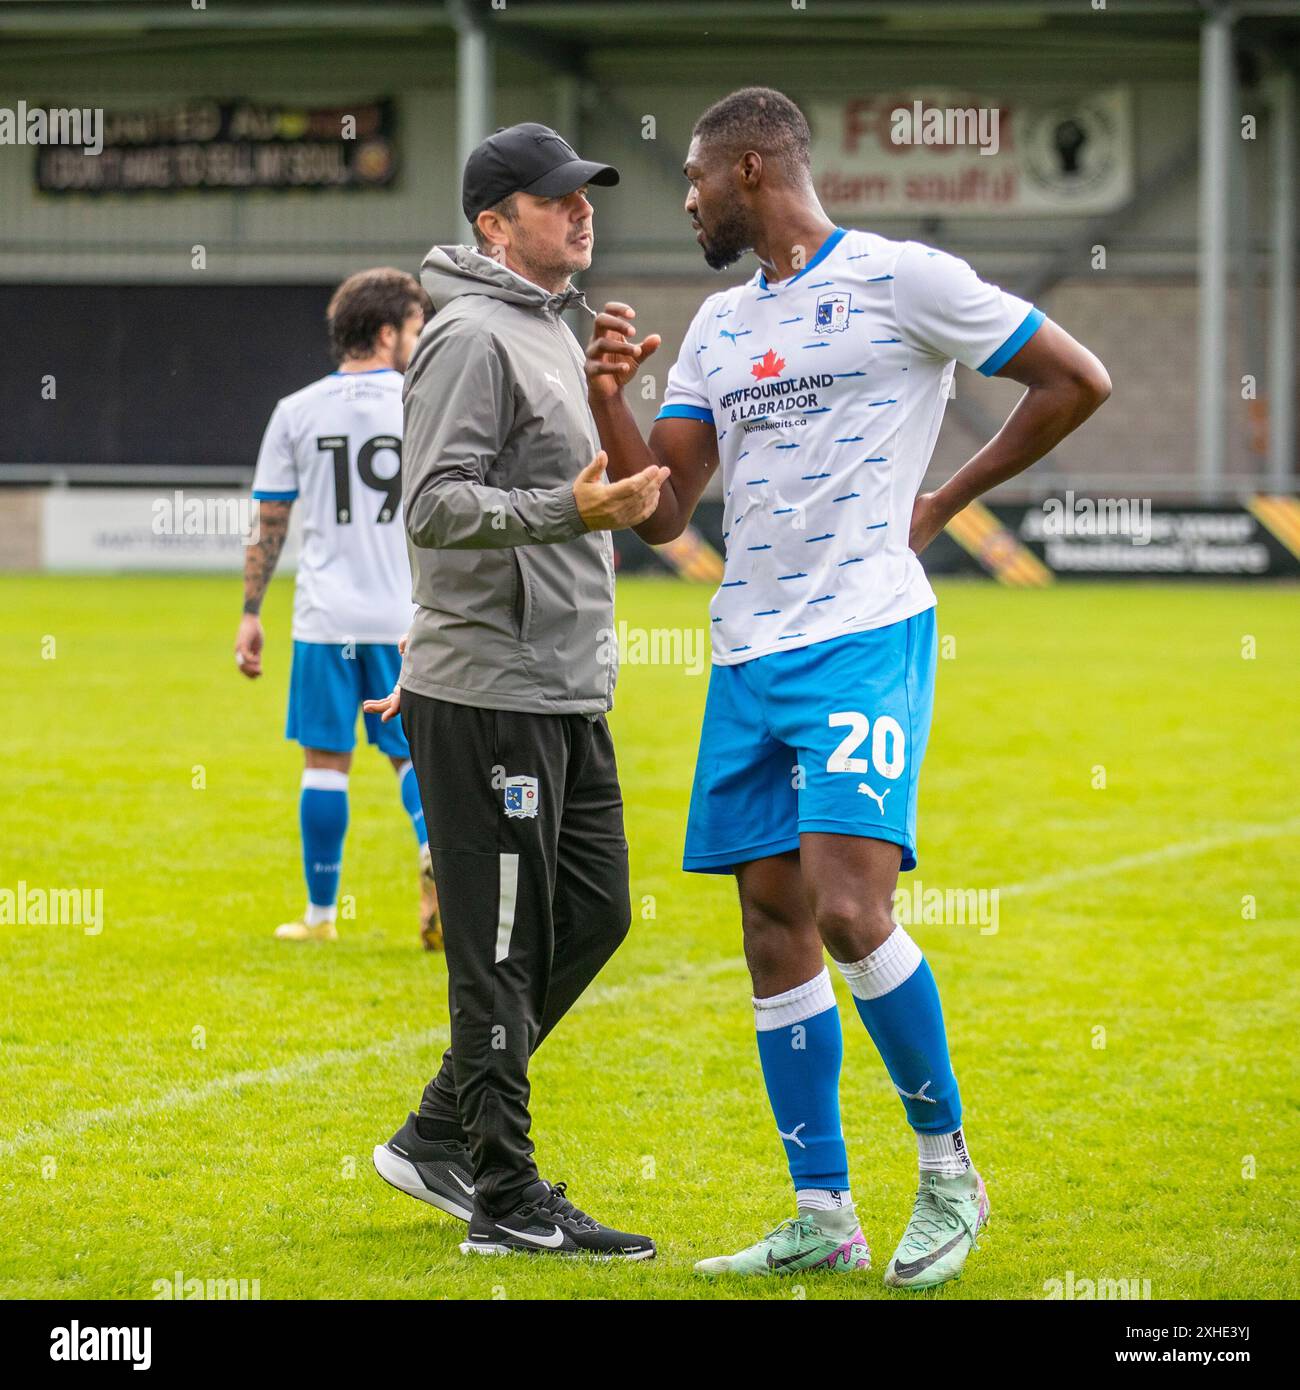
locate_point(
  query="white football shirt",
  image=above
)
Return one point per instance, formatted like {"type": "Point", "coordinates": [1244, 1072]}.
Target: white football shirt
{"type": "Point", "coordinates": [827, 391]}
{"type": "Point", "coordinates": [336, 448]}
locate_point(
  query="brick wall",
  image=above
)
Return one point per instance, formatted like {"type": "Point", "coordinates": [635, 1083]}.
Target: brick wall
{"type": "Point", "coordinates": [20, 528]}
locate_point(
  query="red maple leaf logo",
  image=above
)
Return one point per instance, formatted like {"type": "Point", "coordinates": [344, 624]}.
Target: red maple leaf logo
{"type": "Point", "coordinates": [768, 365]}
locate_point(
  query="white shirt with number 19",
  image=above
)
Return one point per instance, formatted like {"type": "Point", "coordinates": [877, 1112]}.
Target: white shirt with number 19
{"type": "Point", "coordinates": [335, 448]}
{"type": "Point", "coordinates": [826, 391]}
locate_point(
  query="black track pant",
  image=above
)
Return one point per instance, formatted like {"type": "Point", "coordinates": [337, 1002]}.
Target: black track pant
{"type": "Point", "coordinates": [525, 821]}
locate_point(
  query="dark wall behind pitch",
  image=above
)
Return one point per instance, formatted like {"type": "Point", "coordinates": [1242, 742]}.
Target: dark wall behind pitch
{"type": "Point", "coordinates": [158, 374]}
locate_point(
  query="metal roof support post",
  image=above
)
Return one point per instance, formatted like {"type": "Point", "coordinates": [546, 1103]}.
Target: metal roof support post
{"type": "Point", "coordinates": [568, 107]}
{"type": "Point", "coordinates": [1216, 152]}
{"type": "Point", "coordinates": [1281, 334]}
{"type": "Point", "coordinates": [568, 121]}
{"type": "Point", "coordinates": [475, 79]}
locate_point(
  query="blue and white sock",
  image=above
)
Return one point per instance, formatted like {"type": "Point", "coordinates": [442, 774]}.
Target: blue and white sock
{"type": "Point", "coordinates": [898, 1000]}
{"type": "Point", "coordinates": [800, 1046]}
{"type": "Point", "coordinates": [410, 790]}
{"type": "Point", "coordinates": [323, 816]}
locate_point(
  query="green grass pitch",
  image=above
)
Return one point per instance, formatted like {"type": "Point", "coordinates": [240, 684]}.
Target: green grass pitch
{"type": "Point", "coordinates": [182, 1093]}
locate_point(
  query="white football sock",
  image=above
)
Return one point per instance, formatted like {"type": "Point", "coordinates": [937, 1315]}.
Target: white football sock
{"type": "Point", "coordinates": [944, 1154]}
{"type": "Point", "coordinates": [831, 1209]}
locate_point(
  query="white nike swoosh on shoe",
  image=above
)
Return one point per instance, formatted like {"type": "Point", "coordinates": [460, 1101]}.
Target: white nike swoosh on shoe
{"type": "Point", "coordinates": [468, 1191]}
{"type": "Point", "coordinates": [552, 1241]}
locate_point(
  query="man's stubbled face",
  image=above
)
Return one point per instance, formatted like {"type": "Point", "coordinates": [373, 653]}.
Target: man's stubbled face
{"type": "Point", "coordinates": [717, 212]}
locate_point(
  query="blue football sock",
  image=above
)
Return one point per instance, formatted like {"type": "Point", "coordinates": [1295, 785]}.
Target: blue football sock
{"type": "Point", "coordinates": [800, 1046]}
{"type": "Point", "coordinates": [410, 790]}
{"type": "Point", "coordinates": [323, 816]}
{"type": "Point", "coordinates": [899, 1002]}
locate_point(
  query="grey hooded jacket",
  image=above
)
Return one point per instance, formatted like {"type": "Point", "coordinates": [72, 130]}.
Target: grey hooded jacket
{"type": "Point", "coordinates": [515, 596]}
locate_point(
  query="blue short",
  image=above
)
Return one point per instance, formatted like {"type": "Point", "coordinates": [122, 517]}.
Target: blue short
{"type": "Point", "coordinates": [326, 687]}
{"type": "Point", "coordinates": [823, 738]}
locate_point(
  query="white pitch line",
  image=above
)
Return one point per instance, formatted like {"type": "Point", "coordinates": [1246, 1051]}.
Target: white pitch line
{"type": "Point", "coordinates": [1187, 849]}
{"type": "Point", "coordinates": [187, 1097]}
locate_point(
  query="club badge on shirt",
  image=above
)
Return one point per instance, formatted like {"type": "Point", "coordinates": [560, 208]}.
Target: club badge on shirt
{"type": "Point", "coordinates": [521, 797]}
{"type": "Point", "coordinates": [832, 313]}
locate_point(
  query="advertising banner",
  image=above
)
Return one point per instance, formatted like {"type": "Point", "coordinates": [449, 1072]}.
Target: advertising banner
{"type": "Point", "coordinates": [198, 145]}
{"type": "Point", "coordinates": [937, 152]}
{"type": "Point", "coordinates": [184, 529]}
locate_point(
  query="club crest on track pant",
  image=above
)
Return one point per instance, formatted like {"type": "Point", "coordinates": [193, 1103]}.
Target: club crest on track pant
{"type": "Point", "coordinates": [525, 823]}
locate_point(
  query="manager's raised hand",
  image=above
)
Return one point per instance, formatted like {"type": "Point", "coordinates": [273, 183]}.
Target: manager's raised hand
{"type": "Point", "coordinates": [611, 506]}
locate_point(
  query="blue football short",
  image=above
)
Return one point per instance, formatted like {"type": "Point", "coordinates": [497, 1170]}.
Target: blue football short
{"type": "Point", "coordinates": [326, 687]}
{"type": "Point", "coordinates": [826, 738]}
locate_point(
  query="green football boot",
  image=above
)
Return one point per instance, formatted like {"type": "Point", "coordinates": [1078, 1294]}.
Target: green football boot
{"type": "Point", "coordinates": [947, 1217]}
{"type": "Point", "coordinates": [795, 1247]}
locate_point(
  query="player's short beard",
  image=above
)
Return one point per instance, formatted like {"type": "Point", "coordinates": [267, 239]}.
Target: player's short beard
{"type": "Point", "coordinates": [727, 240]}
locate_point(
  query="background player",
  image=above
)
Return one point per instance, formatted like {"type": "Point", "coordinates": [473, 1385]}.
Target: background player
{"type": "Point", "coordinates": [337, 446]}
{"type": "Point", "coordinates": [821, 384]}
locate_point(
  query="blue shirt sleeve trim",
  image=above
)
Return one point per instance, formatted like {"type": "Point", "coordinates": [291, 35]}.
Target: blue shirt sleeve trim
{"type": "Point", "coordinates": [685, 412]}
{"type": "Point", "coordinates": [275, 496]}
{"type": "Point", "coordinates": [1004, 354]}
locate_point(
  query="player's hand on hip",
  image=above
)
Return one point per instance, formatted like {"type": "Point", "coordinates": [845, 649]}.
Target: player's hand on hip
{"type": "Point", "coordinates": [611, 506]}
{"type": "Point", "coordinates": [928, 518]}
{"type": "Point", "coordinates": [248, 646]}
{"type": "Point", "coordinates": [612, 356]}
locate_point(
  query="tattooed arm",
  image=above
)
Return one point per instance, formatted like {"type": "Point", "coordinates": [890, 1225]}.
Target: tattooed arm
{"type": "Point", "coordinates": [260, 560]}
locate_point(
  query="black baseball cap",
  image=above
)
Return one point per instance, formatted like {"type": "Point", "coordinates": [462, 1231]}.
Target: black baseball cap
{"type": "Point", "coordinates": [527, 158]}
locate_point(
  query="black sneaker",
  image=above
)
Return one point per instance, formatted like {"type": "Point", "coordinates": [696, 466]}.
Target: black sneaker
{"type": "Point", "coordinates": [437, 1171]}
{"type": "Point", "coordinates": [546, 1222]}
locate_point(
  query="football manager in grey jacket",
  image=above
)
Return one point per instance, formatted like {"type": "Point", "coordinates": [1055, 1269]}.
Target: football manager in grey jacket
{"type": "Point", "coordinates": [506, 682]}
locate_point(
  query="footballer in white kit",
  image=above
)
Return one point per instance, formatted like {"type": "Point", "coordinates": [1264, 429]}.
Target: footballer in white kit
{"type": "Point", "coordinates": [335, 449]}
{"type": "Point", "coordinates": [826, 392]}
{"type": "Point", "coordinates": [818, 388]}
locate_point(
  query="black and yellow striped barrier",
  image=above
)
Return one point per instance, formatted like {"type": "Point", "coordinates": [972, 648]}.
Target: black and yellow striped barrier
{"type": "Point", "coordinates": [982, 535]}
